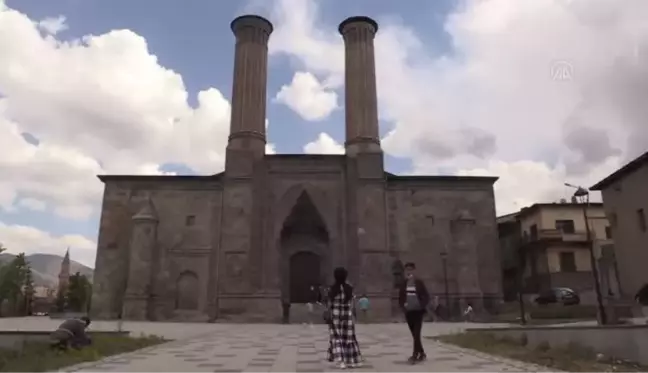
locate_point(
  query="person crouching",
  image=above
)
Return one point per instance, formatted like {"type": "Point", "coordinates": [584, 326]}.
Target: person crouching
{"type": "Point", "coordinates": [71, 333]}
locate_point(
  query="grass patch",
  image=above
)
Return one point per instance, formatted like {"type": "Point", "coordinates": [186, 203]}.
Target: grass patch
{"type": "Point", "coordinates": [572, 358]}
{"type": "Point", "coordinates": [38, 357]}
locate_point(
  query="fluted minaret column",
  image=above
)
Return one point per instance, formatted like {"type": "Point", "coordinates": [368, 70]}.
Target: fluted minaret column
{"type": "Point", "coordinates": [361, 102]}
{"type": "Point", "coordinates": [247, 126]}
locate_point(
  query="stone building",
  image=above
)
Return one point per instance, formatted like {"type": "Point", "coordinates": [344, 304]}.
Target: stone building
{"type": "Point", "coordinates": [625, 199]}
{"type": "Point", "coordinates": [64, 273]}
{"type": "Point", "coordinates": [234, 245]}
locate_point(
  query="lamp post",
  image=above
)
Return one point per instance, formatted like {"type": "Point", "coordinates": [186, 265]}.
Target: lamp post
{"type": "Point", "coordinates": [444, 261]}
{"type": "Point", "coordinates": [583, 194]}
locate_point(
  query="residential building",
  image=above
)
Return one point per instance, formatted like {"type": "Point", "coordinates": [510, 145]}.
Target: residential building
{"type": "Point", "coordinates": [549, 243]}
{"type": "Point", "coordinates": [625, 198]}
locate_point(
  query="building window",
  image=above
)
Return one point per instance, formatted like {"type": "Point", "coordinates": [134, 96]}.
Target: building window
{"type": "Point", "coordinates": [641, 217]}
{"type": "Point", "coordinates": [190, 220]}
{"type": "Point", "coordinates": [565, 226]}
{"type": "Point", "coordinates": [608, 232]}
{"type": "Point", "coordinates": [567, 262]}
{"type": "Point", "coordinates": [534, 232]}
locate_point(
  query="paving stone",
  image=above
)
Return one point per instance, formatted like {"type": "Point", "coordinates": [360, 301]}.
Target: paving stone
{"type": "Point", "coordinates": [296, 348]}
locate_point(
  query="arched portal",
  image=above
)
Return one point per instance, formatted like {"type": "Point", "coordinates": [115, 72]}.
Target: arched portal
{"type": "Point", "coordinates": [304, 245]}
{"type": "Point", "coordinates": [304, 273]}
{"type": "Point", "coordinates": [187, 291]}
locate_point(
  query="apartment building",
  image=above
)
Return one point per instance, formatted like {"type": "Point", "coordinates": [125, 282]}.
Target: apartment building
{"type": "Point", "coordinates": [625, 199]}
{"type": "Point", "coordinates": [548, 243]}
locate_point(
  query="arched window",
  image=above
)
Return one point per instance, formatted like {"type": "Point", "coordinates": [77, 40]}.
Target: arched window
{"type": "Point", "coordinates": [187, 291]}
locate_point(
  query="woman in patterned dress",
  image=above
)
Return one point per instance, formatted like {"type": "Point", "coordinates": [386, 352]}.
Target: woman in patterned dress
{"type": "Point", "coordinates": [343, 345]}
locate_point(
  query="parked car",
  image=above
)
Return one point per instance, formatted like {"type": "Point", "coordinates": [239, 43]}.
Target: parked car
{"type": "Point", "coordinates": [564, 296]}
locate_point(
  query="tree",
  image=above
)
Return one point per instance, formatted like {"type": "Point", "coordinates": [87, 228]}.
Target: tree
{"type": "Point", "coordinates": [14, 278]}
{"type": "Point", "coordinates": [78, 294]}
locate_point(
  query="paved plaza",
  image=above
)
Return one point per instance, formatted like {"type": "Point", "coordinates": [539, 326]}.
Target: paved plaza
{"type": "Point", "coordinates": [279, 348]}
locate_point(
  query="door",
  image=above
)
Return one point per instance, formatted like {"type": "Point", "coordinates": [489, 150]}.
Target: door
{"type": "Point", "coordinates": [304, 273]}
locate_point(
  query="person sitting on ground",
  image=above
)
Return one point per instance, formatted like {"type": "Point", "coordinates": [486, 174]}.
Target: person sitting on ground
{"type": "Point", "coordinates": [71, 333]}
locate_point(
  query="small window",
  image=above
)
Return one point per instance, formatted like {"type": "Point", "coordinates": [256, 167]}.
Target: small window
{"type": "Point", "coordinates": [565, 226]}
{"type": "Point", "coordinates": [608, 232]}
{"type": "Point", "coordinates": [190, 220]}
{"type": "Point", "coordinates": [567, 262]}
{"type": "Point", "coordinates": [641, 218]}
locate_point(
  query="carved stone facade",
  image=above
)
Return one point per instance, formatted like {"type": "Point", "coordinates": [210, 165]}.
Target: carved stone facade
{"type": "Point", "coordinates": [236, 244]}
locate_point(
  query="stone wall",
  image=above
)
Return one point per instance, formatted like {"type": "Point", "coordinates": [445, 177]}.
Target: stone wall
{"type": "Point", "coordinates": [429, 216]}
{"type": "Point", "coordinates": [187, 210]}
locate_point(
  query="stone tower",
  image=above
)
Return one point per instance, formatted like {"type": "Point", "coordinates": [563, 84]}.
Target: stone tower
{"type": "Point", "coordinates": [64, 273]}
{"type": "Point", "coordinates": [140, 272]}
{"type": "Point", "coordinates": [365, 176]}
{"type": "Point", "coordinates": [247, 139]}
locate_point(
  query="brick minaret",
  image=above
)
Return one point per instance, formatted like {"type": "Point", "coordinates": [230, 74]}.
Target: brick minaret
{"type": "Point", "coordinates": [361, 101]}
{"type": "Point", "coordinates": [64, 273]}
{"type": "Point", "coordinates": [247, 137]}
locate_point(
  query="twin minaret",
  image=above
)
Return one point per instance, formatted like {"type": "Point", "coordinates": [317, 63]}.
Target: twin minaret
{"type": "Point", "coordinates": [247, 128]}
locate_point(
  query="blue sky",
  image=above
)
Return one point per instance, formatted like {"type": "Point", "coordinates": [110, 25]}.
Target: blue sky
{"type": "Point", "coordinates": [464, 88]}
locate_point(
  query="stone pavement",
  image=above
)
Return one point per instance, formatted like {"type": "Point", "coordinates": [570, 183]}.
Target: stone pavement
{"type": "Point", "coordinates": [295, 348]}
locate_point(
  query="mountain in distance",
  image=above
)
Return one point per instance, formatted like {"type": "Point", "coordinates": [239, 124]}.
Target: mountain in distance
{"type": "Point", "coordinates": [46, 268]}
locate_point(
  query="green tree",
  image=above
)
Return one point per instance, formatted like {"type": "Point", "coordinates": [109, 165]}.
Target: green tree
{"type": "Point", "coordinates": [13, 280]}
{"type": "Point", "coordinates": [78, 294]}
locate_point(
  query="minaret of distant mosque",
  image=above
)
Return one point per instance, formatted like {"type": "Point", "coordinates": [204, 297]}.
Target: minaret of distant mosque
{"type": "Point", "coordinates": [64, 274]}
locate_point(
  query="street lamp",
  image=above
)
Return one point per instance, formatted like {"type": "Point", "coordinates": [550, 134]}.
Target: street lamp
{"type": "Point", "coordinates": [583, 194]}
{"type": "Point", "coordinates": [444, 261]}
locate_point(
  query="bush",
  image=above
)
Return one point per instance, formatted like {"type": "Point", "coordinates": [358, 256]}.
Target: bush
{"type": "Point", "coordinates": [38, 357]}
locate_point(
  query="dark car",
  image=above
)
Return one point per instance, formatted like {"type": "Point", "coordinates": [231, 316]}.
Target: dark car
{"type": "Point", "coordinates": [564, 296]}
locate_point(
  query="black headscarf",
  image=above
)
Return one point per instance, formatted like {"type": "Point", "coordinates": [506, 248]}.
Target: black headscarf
{"type": "Point", "coordinates": [340, 275]}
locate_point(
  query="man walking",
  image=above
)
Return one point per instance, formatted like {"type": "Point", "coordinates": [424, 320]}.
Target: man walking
{"type": "Point", "coordinates": [414, 299]}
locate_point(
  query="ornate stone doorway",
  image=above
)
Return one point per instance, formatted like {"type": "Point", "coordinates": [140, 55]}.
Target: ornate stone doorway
{"type": "Point", "coordinates": [304, 273]}
{"type": "Point", "coordinates": [304, 251]}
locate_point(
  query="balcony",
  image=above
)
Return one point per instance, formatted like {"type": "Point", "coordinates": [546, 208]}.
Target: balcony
{"type": "Point", "coordinates": [555, 235]}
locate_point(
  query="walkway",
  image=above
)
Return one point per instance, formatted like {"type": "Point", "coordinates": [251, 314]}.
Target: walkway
{"type": "Point", "coordinates": [292, 348]}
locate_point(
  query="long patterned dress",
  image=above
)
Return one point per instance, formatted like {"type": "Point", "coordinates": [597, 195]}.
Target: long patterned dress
{"type": "Point", "coordinates": [343, 345]}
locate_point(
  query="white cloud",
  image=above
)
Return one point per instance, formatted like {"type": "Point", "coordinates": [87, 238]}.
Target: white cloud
{"type": "Point", "coordinates": [101, 104]}
{"type": "Point", "coordinates": [19, 239]}
{"type": "Point", "coordinates": [492, 105]}
{"type": "Point", "coordinates": [53, 25]}
{"type": "Point", "coordinates": [308, 97]}
{"type": "Point", "coordinates": [33, 204]}
{"type": "Point", "coordinates": [324, 144]}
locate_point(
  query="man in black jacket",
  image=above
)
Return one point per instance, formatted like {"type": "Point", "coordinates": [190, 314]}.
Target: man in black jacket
{"type": "Point", "coordinates": [414, 299]}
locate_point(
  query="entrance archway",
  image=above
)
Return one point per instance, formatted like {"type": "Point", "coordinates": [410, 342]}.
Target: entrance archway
{"type": "Point", "coordinates": [304, 247]}
{"type": "Point", "coordinates": [304, 273]}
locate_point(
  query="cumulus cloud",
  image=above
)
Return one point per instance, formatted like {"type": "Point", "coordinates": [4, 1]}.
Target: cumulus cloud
{"type": "Point", "coordinates": [308, 97]}
{"type": "Point", "coordinates": [100, 104]}
{"type": "Point", "coordinates": [29, 240]}
{"type": "Point", "coordinates": [324, 144]}
{"type": "Point", "coordinates": [494, 103]}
